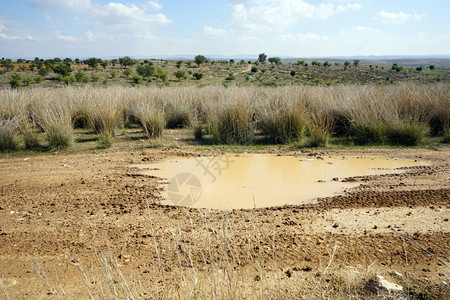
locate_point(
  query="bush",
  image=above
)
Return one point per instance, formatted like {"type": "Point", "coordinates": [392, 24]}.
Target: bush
{"type": "Point", "coordinates": [406, 134]}
{"type": "Point", "coordinates": [137, 79]}
{"type": "Point", "coordinates": [365, 134]}
{"type": "Point", "coordinates": [145, 71]}
{"type": "Point", "coordinates": [180, 75]}
{"type": "Point", "coordinates": [254, 69]}
{"type": "Point", "coordinates": [15, 81]}
{"type": "Point", "coordinates": [198, 75]}
{"type": "Point", "coordinates": [80, 76]}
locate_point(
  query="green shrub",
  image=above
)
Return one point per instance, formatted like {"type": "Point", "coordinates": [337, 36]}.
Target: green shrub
{"type": "Point", "coordinates": [198, 75]}
{"type": "Point", "coordinates": [80, 76]}
{"type": "Point", "coordinates": [406, 134]}
{"type": "Point", "coordinates": [38, 79]}
{"type": "Point", "coordinates": [137, 79]}
{"type": "Point", "coordinates": [15, 81]}
{"type": "Point", "coordinates": [365, 134]}
{"type": "Point", "coordinates": [95, 78]}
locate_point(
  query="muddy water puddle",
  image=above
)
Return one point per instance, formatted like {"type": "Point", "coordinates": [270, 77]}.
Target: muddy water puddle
{"type": "Point", "coordinates": [262, 180]}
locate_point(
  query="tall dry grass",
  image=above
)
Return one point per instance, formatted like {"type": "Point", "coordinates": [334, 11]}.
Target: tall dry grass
{"type": "Point", "coordinates": [8, 130]}
{"type": "Point", "coordinates": [50, 113]}
{"type": "Point", "coordinates": [399, 114]}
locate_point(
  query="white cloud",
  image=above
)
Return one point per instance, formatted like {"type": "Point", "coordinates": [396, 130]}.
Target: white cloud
{"type": "Point", "coordinates": [125, 18]}
{"type": "Point", "coordinates": [215, 32]}
{"type": "Point", "coordinates": [304, 37]}
{"type": "Point", "coordinates": [118, 15]}
{"type": "Point", "coordinates": [66, 38]}
{"type": "Point", "coordinates": [270, 15]}
{"type": "Point", "coordinates": [154, 5]}
{"type": "Point", "coordinates": [397, 18]}
{"type": "Point", "coordinates": [88, 36]}
{"type": "Point", "coordinates": [5, 36]}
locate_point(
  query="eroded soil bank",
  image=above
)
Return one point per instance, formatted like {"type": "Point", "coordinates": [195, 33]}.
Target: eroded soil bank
{"type": "Point", "coordinates": [84, 224]}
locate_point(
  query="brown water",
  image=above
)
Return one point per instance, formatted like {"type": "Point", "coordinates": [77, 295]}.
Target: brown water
{"type": "Point", "coordinates": [262, 180]}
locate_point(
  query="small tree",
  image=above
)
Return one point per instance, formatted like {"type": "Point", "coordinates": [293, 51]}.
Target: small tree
{"type": "Point", "coordinates": [356, 62]}
{"type": "Point", "coordinates": [126, 61]}
{"type": "Point", "coordinates": [293, 73]}
{"type": "Point", "coordinates": [104, 64]}
{"type": "Point", "coordinates": [262, 57]}
{"type": "Point", "coordinates": [145, 71]}
{"type": "Point", "coordinates": [347, 63]}
{"type": "Point", "coordinates": [275, 60]}
{"type": "Point", "coordinates": [92, 62]}
{"type": "Point", "coordinates": [62, 69]}
{"type": "Point", "coordinates": [179, 64]}
{"type": "Point", "coordinates": [254, 69]}
{"type": "Point", "coordinates": [200, 59]}
{"type": "Point", "coordinates": [431, 67]}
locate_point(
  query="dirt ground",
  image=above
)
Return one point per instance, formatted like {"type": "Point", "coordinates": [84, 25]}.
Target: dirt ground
{"type": "Point", "coordinates": [84, 226]}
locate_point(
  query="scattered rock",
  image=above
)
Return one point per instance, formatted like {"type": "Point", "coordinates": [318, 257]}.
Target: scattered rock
{"type": "Point", "coordinates": [398, 274]}
{"type": "Point", "coordinates": [379, 284]}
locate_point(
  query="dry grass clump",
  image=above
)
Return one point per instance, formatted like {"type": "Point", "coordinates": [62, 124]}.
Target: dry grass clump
{"type": "Point", "coordinates": [53, 116]}
{"type": "Point", "coordinates": [232, 123]}
{"type": "Point", "coordinates": [8, 130]}
{"type": "Point", "coordinates": [104, 109]}
{"type": "Point", "coordinates": [150, 116]}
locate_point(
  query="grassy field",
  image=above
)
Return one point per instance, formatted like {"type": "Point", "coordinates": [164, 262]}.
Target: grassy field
{"type": "Point", "coordinates": [406, 114]}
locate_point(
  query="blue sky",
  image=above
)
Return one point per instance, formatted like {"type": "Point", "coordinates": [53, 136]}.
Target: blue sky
{"type": "Point", "coordinates": [299, 28]}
